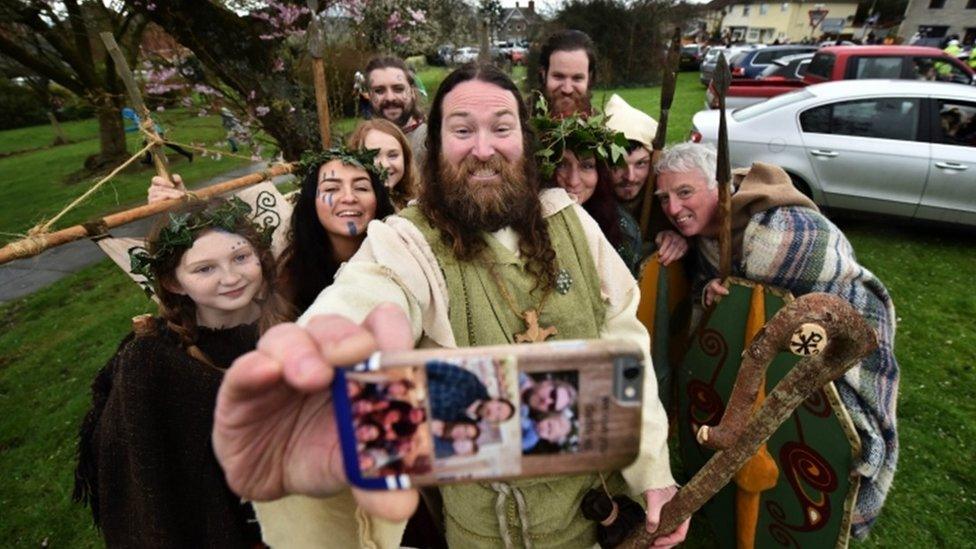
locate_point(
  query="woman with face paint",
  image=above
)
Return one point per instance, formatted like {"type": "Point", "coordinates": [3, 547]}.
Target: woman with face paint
{"type": "Point", "coordinates": [342, 191]}
{"type": "Point", "coordinates": [145, 463]}
{"type": "Point", "coordinates": [395, 156]}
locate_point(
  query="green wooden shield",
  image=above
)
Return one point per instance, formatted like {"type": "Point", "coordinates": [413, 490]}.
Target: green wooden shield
{"type": "Point", "coordinates": [811, 502]}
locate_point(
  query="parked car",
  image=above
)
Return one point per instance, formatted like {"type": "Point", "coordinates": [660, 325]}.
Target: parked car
{"type": "Point", "coordinates": [711, 58]}
{"type": "Point", "coordinates": [895, 147]}
{"type": "Point", "coordinates": [443, 56]}
{"type": "Point", "coordinates": [853, 63]}
{"type": "Point", "coordinates": [466, 54]}
{"type": "Point", "coordinates": [791, 67]}
{"type": "Point", "coordinates": [751, 63]}
{"type": "Point", "coordinates": [691, 56]}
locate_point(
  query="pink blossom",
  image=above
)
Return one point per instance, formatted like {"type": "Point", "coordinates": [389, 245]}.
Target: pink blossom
{"type": "Point", "coordinates": [202, 113]}
{"type": "Point", "coordinates": [205, 89]}
{"type": "Point", "coordinates": [160, 108]}
{"type": "Point", "coordinates": [261, 110]}
{"type": "Point", "coordinates": [279, 65]}
{"type": "Point", "coordinates": [401, 39]}
{"type": "Point", "coordinates": [418, 15]}
{"type": "Point", "coordinates": [394, 21]}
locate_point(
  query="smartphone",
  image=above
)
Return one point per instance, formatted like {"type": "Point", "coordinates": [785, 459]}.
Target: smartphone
{"type": "Point", "coordinates": [440, 416]}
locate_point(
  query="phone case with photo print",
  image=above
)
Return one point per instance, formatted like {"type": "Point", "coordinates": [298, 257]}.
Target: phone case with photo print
{"type": "Point", "coordinates": [440, 416]}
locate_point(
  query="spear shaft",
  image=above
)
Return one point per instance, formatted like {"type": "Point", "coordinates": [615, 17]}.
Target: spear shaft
{"type": "Point", "coordinates": [668, 84]}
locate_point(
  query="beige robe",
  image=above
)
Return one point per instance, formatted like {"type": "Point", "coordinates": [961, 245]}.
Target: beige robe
{"type": "Point", "coordinates": [396, 264]}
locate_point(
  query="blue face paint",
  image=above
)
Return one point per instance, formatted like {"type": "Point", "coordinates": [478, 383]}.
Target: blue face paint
{"type": "Point", "coordinates": [328, 199]}
{"type": "Point", "coordinates": [352, 228]}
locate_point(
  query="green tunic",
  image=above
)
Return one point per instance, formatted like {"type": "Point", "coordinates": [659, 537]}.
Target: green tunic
{"type": "Point", "coordinates": [537, 512]}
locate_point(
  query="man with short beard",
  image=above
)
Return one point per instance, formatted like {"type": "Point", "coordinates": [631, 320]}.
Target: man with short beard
{"type": "Point", "coordinates": [393, 96]}
{"type": "Point", "coordinates": [484, 242]}
{"type": "Point", "coordinates": [567, 71]}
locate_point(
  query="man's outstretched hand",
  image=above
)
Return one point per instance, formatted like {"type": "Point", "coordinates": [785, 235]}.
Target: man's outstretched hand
{"type": "Point", "coordinates": [274, 428]}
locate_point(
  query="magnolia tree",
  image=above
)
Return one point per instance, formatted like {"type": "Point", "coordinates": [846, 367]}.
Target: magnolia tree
{"type": "Point", "coordinates": [58, 41]}
{"type": "Point", "coordinates": [253, 56]}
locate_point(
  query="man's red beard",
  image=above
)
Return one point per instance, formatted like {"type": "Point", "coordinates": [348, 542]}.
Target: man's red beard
{"type": "Point", "coordinates": [563, 105]}
{"type": "Point", "coordinates": [487, 206]}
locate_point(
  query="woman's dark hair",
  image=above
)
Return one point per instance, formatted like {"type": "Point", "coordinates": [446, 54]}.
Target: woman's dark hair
{"type": "Point", "coordinates": [178, 310]}
{"type": "Point", "coordinates": [602, 206]}
{"type": "Point", "coordinates": [466, 244]}
{"type": "Point", "coordinates": [309, 262]}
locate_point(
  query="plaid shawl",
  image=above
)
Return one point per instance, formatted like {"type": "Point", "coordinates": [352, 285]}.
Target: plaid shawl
{"type": "Point", "coordinates": [798, 249]}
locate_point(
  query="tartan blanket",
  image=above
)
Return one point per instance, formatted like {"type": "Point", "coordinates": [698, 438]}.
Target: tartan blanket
{"type": "Point", "coordinates": [800, 250]}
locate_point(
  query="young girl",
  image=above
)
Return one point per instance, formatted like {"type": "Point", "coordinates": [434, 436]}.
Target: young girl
{"type": "Point", "coordinates": [342, 191]}
{"type": "Point", "coordinates": [146, 466]}
{"type": "Point", "coordinates": [395, 156]}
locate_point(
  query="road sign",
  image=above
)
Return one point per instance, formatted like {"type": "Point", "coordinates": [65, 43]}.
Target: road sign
{"type": "Point", "coordinates": [817, 16]}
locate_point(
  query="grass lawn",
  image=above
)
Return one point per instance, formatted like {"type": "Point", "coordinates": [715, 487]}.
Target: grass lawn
{"type": "Point", "coordinates": [37, 184]}
{"type": "Point", "coordinates": [53, 342]}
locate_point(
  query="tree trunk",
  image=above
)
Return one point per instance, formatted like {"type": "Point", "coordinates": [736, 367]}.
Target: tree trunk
{"type": "Point", "coordinates": [111, 136]}
{"type": "Point", "coordinates": [59, 138]}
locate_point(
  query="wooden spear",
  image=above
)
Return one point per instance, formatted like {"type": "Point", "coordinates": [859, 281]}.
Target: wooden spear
{"type": "Point", "coordinates": [316, 45]}
{"type": "Point", "coordinates": [135, 99]}
{"type": "Point", "coordinates": [33, 245]}
{"type": "Point", "coordinates": [723, 173]}
{"type": "Point", "coordinates": [668, 82]}
{"type": "Point", "coordinates": [832, 337]}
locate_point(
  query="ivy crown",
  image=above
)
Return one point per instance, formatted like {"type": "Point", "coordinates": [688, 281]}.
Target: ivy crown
{"type": "Point", "coordinates": [181, 231]}
{"type": "Point", "coordinates": [583, 135]}
{"type": "Point", "coordinates": [362, 158]}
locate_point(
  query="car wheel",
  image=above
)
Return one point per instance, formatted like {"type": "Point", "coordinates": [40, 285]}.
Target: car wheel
{"type": "Point", "coordinates": [801, 185]}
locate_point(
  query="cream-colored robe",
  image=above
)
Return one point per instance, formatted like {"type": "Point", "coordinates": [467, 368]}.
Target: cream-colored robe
{"type": "Point", "coordinates": [396, 264]}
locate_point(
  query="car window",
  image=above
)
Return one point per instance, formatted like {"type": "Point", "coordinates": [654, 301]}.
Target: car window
{"type": "Point", "coordinates": [822, 65]}
{"type": "Point", "coordinates": [802, 68]}
{"type": "Point", "coordinates": [881, 118]}
{"type": "Point", "coordinates": [766, 57]}
{"type": "Point", "coordinates": [737, 58]}
{"type": "Point", "coordinates": [935, 68]}
{"type": "Point", "coordinates": [876, 67]}
{"type": "Point", "coordinates": [772, 103]}
{"type": "Point", "coordinates": [957, 121]}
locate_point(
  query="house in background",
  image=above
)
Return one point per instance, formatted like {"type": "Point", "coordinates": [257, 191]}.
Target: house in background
{"type": "Point", "coordinates": [765, 22]}
{"type": "Point", "coordinates": [939, 19]}
{"type": "Point", "coordinates": [518, 24]}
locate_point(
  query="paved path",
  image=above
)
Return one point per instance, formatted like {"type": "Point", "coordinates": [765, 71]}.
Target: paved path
{"type": "Point", "coordinates": [26, 276]}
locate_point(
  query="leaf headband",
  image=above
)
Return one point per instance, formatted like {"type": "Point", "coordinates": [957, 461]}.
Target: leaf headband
{"type": "Point", "coordinates": [363, 158]}
{"type": "Point", "coordinates": [583, 135]}
{"type": "Point", "coordinates": [182, 229]}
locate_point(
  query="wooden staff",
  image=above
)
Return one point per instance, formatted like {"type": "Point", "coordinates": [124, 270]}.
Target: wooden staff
{"type": "Point", "coordinates": [33, 245]}
{"type": "Point", "coordinates": [668, 84]}
{"type": "Point", "coordinates": [832, 337]}
{"type": "Point", "coordinates": [135, 98]}
{"type": "Point", "coordinates": [316, 45]}
{"type": "Point", "coordinates": [723, 173]}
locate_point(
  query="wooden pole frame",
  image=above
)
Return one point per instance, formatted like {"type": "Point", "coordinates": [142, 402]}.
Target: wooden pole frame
{"type": "Point", "coordinates": [135, 97]}
{"type": "Point", "coordinates": [34, 245]}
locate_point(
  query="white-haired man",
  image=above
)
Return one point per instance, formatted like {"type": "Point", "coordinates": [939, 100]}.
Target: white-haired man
{"type": "Point", "coordinates": [780, 238]}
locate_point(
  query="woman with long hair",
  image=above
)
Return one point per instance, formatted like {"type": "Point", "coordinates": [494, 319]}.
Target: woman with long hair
{"type": "Point", "coordinates": [342, 191]}
{"type": "Point", "coordinates": [146, 466]}
{"type": "Point", "coordinates": [395, 156]}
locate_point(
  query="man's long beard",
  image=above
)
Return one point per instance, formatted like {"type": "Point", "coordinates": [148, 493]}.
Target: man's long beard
{"type": "Point", "coordinates": [487, 206]}
{"type": "Point", "coordinates": [562, 105]}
